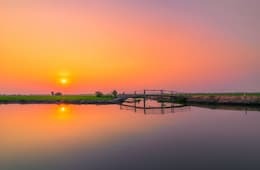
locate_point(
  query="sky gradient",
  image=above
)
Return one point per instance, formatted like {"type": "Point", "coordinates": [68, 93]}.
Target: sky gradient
{"type": "Point", "coordinates": [183, 45]}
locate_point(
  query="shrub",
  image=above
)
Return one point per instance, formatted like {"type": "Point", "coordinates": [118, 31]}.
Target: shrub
{"type": "Point", "coordinates": [114, 93]}
{"type": "Point", "coordinates": [99, 94]}
{"type": "Point", "coordinates": [58, 94]}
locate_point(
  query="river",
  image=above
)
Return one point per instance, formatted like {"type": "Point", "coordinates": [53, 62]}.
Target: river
{"type": "Point", "coordinates": [110, 137]}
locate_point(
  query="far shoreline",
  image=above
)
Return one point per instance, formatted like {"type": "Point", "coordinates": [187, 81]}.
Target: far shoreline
{"type": "Point", "coordinates": [229, 99]}
{"type": "Point", "coordinates": [206, 99]}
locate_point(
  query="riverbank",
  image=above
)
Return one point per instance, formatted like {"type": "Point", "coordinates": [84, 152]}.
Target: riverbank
{"type": "Point", "coordinates": [251, 99]}
{"type": "Point", "coordinates": [237, 99]}
{"type": "Point", "coordinates": [66, 99]}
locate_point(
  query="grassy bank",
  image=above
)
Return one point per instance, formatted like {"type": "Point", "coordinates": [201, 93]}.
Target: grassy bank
{"type": "Point", "coordinates": [225, 98]}
{"type": "Point", "coordinates": [224, 94]}
{"type": "Point", "coordinates": [238, 99]}
{"type": "Point", "coordinates": [74, 99]}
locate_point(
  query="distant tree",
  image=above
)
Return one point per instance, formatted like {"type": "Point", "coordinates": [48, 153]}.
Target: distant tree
{"type": "Point", "coordinates": [99, 94]}
{"type": "Point", "coordinates": [52, 93]}
{"type": "Point", "coordinates": [114, 93]}
{"type": "Point", "coordinates": [58, 94]}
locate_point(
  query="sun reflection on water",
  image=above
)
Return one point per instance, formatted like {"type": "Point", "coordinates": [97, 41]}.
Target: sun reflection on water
{"type": "Point", "coordinates": [63, 113]}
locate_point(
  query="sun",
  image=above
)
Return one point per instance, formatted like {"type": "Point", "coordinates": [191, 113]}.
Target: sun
{"type": "Point", "coordinates": [64, 81]}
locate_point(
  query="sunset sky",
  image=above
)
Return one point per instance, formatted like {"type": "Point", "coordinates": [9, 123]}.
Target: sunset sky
{"type": "Point", "coordinates": [77, 46]}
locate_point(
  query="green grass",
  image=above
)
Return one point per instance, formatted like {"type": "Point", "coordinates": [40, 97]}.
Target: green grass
{"type": "Point", "coordinates": [48, 98]}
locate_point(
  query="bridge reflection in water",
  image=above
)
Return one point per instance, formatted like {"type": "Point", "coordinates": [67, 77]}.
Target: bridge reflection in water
{"type": "Point", "coordinates": [151, 106]}
{"type": "Point", "coordinates": [148, 101]}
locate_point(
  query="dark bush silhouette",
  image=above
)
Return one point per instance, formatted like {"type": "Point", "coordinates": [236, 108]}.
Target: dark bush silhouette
{"type": "Point", "coordinates": [99, 94]}
{"type": "Point", "coordinates": [58, 94]}
{"type": "Point", "coordinates": [114, 93]}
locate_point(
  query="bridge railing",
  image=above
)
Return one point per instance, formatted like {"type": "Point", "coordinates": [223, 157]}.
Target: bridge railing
{"type": "Point", "coordinates": [147, 92]}
{"type": "Point", "coordinates": [155, 92]}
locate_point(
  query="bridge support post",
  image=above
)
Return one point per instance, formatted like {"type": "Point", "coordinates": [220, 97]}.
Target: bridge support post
{"type": "Point", "coordinates": [144, 98]}
{"type": "Point", "coordinates": [162, 107]}
{"type": "Point", "coordinates": [144, 101]}
{"type": "Point", "coordinates": [172, 104]}
{"type": "Point", "coordinates": [135, 102]}
{"type": "Point", "coordinates": [162, 104]}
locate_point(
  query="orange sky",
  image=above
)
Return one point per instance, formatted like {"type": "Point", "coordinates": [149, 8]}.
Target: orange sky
{"type": "Point", "coordinates": [103, 47]}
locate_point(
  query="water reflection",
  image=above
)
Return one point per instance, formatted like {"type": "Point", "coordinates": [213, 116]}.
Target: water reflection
{"type": "Point", "coordinates": [151, 106]}
{"type": "Point", "coordinates": [159, 111]}
{"type": "Point", "coordinates": [63, 113]}
{"type": "Point", "coordinates": [61, 137]}
{"type": "Point", "coordinates": [244, 109]}
{"type": "Point", "coordinates": [31, 129]}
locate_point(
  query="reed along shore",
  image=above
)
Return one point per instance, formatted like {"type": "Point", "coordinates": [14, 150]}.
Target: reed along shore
{"type": "Point", "coordinates": [252, 99]}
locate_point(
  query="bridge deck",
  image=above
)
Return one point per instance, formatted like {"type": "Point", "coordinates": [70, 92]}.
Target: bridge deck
{"type": "Point", "coordinates": [151, 107]}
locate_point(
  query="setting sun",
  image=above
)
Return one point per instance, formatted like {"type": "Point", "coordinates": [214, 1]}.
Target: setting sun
{"type": "Point", "coordinates": [64, 81]}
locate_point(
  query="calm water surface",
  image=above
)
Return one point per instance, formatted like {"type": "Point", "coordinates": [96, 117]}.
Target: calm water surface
{"type": "Point", "coordinates": [89, 137]}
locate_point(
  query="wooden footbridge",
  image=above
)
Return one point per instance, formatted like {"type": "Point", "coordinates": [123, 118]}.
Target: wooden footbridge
{"type": "Point", "coordinates": [163, 96]}
{"type": "Point", "coordinates": [151, 94]}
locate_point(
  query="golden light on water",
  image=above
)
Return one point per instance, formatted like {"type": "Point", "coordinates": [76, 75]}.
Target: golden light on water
{"type": "Point", "coordinates": [63, 113]}
{"type": "Point", "coordinates": [63, 109]}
